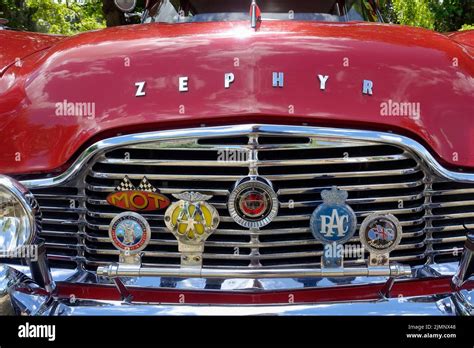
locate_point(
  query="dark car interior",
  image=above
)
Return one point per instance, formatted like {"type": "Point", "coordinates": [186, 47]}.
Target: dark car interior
{"type": "Point", "coordinates": [176, 11]}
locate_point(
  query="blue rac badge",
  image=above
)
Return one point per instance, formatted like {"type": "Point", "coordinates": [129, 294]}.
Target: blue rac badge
{"type": "Point", "coordinates": [333, 221]}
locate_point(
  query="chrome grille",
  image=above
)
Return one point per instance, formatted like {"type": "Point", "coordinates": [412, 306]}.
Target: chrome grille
{"type": "Point", "coordinates": [379, 178]}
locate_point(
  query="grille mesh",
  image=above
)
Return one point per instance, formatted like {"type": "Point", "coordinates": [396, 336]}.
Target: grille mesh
{"type": "Point", "coordinates": [379, 178]}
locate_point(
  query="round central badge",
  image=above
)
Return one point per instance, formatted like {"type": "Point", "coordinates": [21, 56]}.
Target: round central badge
{"type": "Point", "coordinates": [380, 233]}
{"type": "Point", "coordinates": [333, 221]}
{"type": "Point", "coordinates": [253, 203]}
{"type": "Point", "coordinates": [129, 232]}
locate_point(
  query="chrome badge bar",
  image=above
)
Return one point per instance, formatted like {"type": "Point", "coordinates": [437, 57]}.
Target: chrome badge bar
{"type": "Point", "coordinates": [253, 203]}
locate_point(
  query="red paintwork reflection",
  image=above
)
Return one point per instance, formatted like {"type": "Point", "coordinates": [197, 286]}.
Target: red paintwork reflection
{"type": "Point", "coordinates": [16, 45]}
{"type": "Point", "coordinates": [464, 37]}
{"type": "Point", "coordinates": [406, 65]}
{"type": "Point", "coordinates": [409, 288]}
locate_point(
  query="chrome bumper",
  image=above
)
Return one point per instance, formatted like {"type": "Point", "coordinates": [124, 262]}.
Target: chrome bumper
{"type": "Point", "coordinates": [20, 295]}
{"type": "Point", "coordinates": [126, 270]}
{"type": "Point", "coordinates": [413, 306]}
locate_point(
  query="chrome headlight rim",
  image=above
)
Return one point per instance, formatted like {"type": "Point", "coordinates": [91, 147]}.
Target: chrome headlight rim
{"type": "Point", "coordinates": [28, 204]}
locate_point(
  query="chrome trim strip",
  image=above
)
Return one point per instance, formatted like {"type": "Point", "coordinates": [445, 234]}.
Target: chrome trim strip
{"type": "Point", "coordinates": [206, 284]}
{"type": "Point", "coordinates": [299, 190]}
{"type": "Point", "coordinates": [277, 177]}
{"type": "Point", "coordinates": [21, 296]}
{"type": "Point", "coordinates": [423, 305]}
{"type": "Point", "coordinates": [240, 130]}
{"type": "Point", "coordinates": [127, 270]}
{"type": "Point", "coordinates": [264, 163]}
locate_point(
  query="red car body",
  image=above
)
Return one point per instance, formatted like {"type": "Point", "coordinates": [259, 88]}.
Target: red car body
{"type": "Point", "coordinates": [405, 64]}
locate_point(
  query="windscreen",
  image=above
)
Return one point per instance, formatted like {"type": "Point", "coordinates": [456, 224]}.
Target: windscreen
{"type": "Point", "coordinates": [173, 11]}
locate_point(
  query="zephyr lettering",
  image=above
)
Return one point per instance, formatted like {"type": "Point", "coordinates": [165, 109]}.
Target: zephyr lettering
{"type": "Point", "coordinates": [228, 79]}
{"type": "Point", "coordinates": [183, 84]}
{"type": "Point", "coordinates": [367, 87]}
{"type": "Point", "coordinates": [140, 89]}
{"type": "Point", "coordinates": [278, 79]}
{"type": "Point", "coordinates": [323, 79]}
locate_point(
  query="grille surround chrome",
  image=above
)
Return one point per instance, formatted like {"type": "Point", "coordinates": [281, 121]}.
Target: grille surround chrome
{"type": "Point", "coordinates": [76, 174]}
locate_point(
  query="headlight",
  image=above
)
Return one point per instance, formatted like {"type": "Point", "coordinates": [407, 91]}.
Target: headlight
{"type": "Point", "coordinates": [19, 215]}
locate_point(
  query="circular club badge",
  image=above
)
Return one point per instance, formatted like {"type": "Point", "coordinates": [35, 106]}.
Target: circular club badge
{"type": "Point", "coordinates": [333, 221]}
{"type": "Point", "coordinates": [129, 232]}
{"type": "Point", "coordinates": [253, 203]}
{"type": "Point", "coordinates": [380, 233]}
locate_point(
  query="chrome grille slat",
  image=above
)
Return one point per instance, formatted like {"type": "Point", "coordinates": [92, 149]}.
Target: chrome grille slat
{"type": "Point", "coordinates": [59, 222]}
{"type": "Point", "coordinates": [62, 197]}
{"type": "Point", "coordinates": [395, 212]}
{"type": "Point", "coordinates": [285, 243]}
{"type": "Point", "coordinates": [446, 240]}
{"type": "Point", "coordinates": [156, 217]}
{"type": "Point", "coordinates": [177, 177]}
{"type": "Point", "coordinates": [193, 163]}
{"type": "Point", "coordinates": [450, 228]}
{"type": "Point", "coordinates": [186, 145]}
{"type": "Point", "coordinates": [282, 264]}
{"type": "Point", "coordinates": [63, 209]}
{"type": "Point", "coordinates": [169, 191]}
{"type": "Point", "coordinates": [358, 200]}
{"type": "Point", "coordinates": [308, 190]}
{"type": "Point", "coordinates": [214, 255]}
{"type": "Point", "coordinates": [377, 176]}
{"type": "Point", "coordinates": [219, 231]}
{"type": "Point", "coordinates": [59, 234]}
{"type": "Point", "coordinates": [451, 204]}
{"type": "Point", "coordinates": [374, 173]}
{"type": "Point", "coordinates": [279, 177]}
{"type": "Point", "coordinates": [451, 216]}
{"type": "Point", "coordinates": [110, 216]}
{"type": "Point", "coordinates": [450, 192]}
{"type": "Point", "coordinates": [222, 232]}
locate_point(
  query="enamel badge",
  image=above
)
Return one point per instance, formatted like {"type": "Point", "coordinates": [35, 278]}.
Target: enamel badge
{"type": "Point", "coordinates": [380, 234]}
{"type": "Point", "coordinates": [191, 220]}
{"type": "Point", "coordinates": [333, 221]}
{"type": "Point", "coordinates": [130, 233]}
{"type": "Point", "coordinates": [145, 197]}
{"type": "Point", "coordinates": [253, 203]}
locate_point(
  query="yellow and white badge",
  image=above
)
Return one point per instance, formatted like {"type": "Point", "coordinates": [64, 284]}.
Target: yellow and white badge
{"type": "Point", "coordinates": [191, 220]}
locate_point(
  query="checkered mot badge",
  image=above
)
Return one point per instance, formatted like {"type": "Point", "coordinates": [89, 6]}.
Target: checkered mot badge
{"type": "Point", "coordinates": [125, 185]}
{"type": "Point", "coordinates": [146, 186]}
